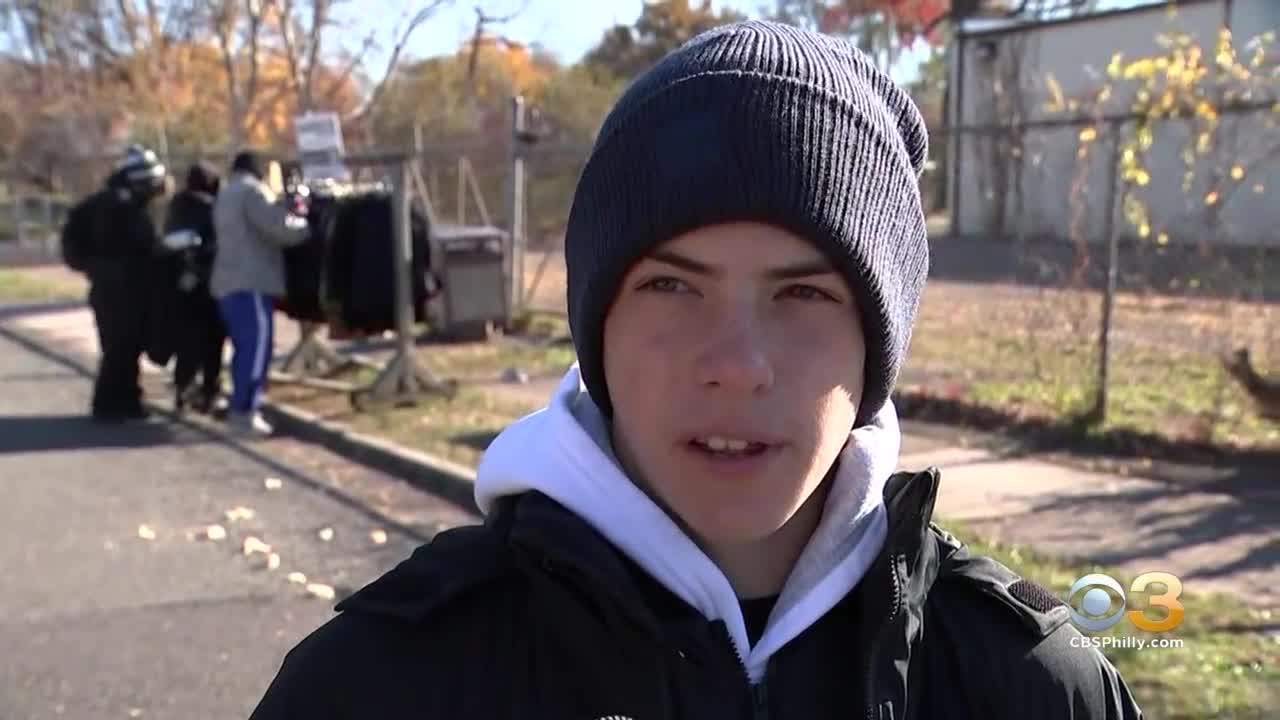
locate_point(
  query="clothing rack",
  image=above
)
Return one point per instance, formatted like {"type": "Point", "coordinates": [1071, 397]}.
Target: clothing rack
{"type": "Point", "coordinates": [403, 380]}
{"type": "Point", "coordinates": [312, 356]}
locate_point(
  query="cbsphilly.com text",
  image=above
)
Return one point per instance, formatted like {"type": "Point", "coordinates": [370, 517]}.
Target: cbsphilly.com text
{"type": "Point", "coordinates": [1126, 642]}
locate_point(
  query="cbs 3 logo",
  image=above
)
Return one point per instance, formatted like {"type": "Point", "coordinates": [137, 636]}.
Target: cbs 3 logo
{"type": "Point", "coordinates": [1103, 603]}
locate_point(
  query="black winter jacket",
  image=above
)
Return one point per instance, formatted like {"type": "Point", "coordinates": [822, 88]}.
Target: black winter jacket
{"type": "Point", "coordinates": [535, 615]}
{"type": "Point", "coordinates": [191, 210]}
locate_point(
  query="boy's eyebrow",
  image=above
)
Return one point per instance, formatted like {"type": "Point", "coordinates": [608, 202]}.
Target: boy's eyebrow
{"type": "Point", "coordinates": [802, 269]}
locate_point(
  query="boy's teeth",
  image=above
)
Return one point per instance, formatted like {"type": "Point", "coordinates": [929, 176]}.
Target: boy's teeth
{"type": "Point", "coordinates": [720, 444]}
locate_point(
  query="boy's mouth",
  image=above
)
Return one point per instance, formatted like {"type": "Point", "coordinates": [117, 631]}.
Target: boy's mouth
{"type": "Point", "coordinates": [729, 447]}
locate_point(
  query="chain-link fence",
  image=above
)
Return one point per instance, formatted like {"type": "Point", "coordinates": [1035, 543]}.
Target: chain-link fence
{"type": "Point", "coordinates": [1063, 250]}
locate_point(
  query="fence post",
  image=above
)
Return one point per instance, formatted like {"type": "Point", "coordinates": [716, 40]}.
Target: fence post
{"type": "Point", "coordinates": [516, 217]}
{"type": "Point", "coordinates": [1112, 233]}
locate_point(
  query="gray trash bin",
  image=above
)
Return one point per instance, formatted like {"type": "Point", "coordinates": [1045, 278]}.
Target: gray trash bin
{"type": "Point", "coordinates": [469, 261]}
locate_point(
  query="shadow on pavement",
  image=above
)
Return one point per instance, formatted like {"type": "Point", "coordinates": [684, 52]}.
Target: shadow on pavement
{"type": "Point", "coordinates": [8, 311]}
{"type": "Point", "coordinates": [1171, 526]}
{"type": "Point", "coordinates": [52, 433]}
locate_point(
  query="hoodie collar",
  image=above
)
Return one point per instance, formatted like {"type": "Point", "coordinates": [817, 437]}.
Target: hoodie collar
{"type": "Point", "coordinates": [564, 452]}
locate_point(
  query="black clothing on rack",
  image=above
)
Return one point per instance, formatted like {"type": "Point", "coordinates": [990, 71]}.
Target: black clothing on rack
{"type": "Point", "coordinates": [304, 265]}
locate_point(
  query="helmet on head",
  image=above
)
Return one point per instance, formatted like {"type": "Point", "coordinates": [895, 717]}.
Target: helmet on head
{"type": "Point", "coordinates": [141, 172]}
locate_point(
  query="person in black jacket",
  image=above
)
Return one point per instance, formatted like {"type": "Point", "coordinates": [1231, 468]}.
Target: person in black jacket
{"type": "Point", "coordinates": [111, 237]}
{"type": "Point", "coordinates": [705, 521]}
{"type": "Point", "coordinates": [200, 327]}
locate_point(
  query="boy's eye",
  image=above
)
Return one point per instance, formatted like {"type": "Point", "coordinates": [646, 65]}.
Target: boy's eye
{"type": "Point", "coordinates": [807, 292]}
{"type": "Point", "coordinates": [664, 284]}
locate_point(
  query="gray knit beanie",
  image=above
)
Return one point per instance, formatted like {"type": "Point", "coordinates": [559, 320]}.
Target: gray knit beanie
{"type": "Point", "coordinates": [759, 122]}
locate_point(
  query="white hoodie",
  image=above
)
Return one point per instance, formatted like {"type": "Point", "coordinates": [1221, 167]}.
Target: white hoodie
{"type": "Point", "coordinates": [564, 452]}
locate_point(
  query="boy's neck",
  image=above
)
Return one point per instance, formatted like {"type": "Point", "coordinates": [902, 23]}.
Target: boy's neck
{"type": "Point", "coordinates": [761, 568]}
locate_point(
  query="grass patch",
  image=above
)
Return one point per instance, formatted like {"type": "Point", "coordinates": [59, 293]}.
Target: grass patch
{"type": "Point", "coordinates": [488, 360]}
{"type": "Point", "coordinates": [1227, 667]}
{"type": "Point", "coordinates": [459, 429]}
{"type": "Point", "coordinates": [1033, 353]}
{"type": "Point", "coordinates": [17, 286]}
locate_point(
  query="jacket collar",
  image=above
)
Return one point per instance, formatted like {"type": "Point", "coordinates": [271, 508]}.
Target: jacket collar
{"type": "Point", "coordinates": [543, 534]}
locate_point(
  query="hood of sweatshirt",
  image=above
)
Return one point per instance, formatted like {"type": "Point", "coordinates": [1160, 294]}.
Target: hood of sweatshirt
{"type": "Point", "coordinates": [564, 451]}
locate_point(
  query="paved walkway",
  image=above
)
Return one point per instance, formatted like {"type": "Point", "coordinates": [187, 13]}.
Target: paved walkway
{"type": "Point", "coordinates": [114, 602]}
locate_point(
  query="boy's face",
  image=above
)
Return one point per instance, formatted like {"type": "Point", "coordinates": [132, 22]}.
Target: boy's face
{"type": "Point", "coordinates": [735, 332]}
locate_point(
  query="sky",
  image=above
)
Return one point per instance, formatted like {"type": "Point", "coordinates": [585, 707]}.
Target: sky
{"type": "Point", "coordinates": [567, 28]}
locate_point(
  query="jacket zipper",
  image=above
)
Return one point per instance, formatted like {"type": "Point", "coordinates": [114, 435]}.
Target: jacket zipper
{"type": "Point", "coordinates": [760, 701]}
{"type": "Point", "coordinates": [873, 664]}
{"type": "Point", "coordinates": [759, 691]}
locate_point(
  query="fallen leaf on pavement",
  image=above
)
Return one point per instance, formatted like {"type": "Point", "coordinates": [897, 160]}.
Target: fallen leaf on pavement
{"type": "Point", "coordinates": [326, 534]}
{"type": "Point", "coordinates": [135, 712]}
{"type": "Point", "coordinates": [321, 591]}
{"type": "Point", "coordinates": [273, 483]}
{"type": "Point", "coordinates": [146, 533]}
{"type": "Point", "coordinates": [254, 545]}
{"type": "Point", "coordinates": [273, 561]}
{"type": "Point", "coordinates": [379, 537]}
{"type": "Point", "coordinates": [216, 532]}
{"type": "Point", "coordinates": [297, 577]}
{"type": "Point", "coordinates": [239, 512]}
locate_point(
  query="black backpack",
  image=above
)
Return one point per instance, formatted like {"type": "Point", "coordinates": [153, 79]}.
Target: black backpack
{"type": "Point", "coordinates": [78, 234]}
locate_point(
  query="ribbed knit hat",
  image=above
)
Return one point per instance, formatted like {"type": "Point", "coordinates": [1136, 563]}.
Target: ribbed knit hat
{"type": "Point", "coordinates": [760, 122]}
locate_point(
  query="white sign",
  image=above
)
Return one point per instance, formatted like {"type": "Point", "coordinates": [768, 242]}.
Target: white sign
{"type": "Point", "coordinates": [320, 148]}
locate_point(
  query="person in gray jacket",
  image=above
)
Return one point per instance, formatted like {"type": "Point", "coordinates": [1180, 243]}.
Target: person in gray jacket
{"type": "Point", "coordinates": [248, 274]}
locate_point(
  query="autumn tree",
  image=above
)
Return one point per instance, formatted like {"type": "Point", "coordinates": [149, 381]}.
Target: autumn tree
{"type": "Point", "coordinates": [626, 50]}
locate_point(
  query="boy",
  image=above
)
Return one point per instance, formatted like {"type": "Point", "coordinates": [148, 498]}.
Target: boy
{"type": "Point", "coordinates": [703, 522]}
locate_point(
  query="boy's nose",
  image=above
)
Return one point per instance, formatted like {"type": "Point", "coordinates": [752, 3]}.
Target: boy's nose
{"type": "Point", "coordinates": [735, 358]}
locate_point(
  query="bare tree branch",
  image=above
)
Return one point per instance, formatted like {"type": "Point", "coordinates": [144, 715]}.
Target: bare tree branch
{"type": "Point", "coordinates": [319, 19]}
{"type": "Point", "coordinates": [421, 17]}
{"type": "Point", "coordinates": [290, 50]}
{"type": "Point", "coordinates": [341, 79]}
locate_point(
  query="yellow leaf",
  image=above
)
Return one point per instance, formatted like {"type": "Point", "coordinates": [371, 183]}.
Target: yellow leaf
{"type": "Point", "coordinates": [1162, 239]}
{"type": "Point", "coordinates": [379, 537]}
{"type": "Point", "coordinates": [1114, 68]}
{"type": "Point", "coordinates": [321, 590]}
{"type": "Point", "coordinates": [1211, 198]}
{"type": "Point", "coordinates": [1088, 134]}
{"type": "Point", "coordinates": [216, 532]}
{"type": "Point", "coordinates": [254, 545]}
{"type": "Point", "coordinates": [1144, 230]}
{"type": "Point", "coordinates": [1142, 177]}
{"type": "Point", "coordinates": [273, 561]}
{"type": "Point", "coordinates": [1202, 143]}
{"type": "Point", "coordinates": [326, 534]}
{"type": "Point", "coordinates": [1237, 173]}
{"type": "Point", "coordinates": [146, 533]}
{"type": "Point", "coordinates": [272, 483]}
{"type": "Point", "coordinates": [239, 513]}
{"type": "Point", "coordinates": [297, 578]}
{"type": "Point", "coordinates": [1145, 138]}
{"type": "Point", "coordinates": [1259, 188]}
{"type": "Point", "coordinates": [1057, 100]}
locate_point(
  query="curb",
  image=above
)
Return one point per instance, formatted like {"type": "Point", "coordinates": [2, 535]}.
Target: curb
{"type": "Point", "coordinates": [449, 480]}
